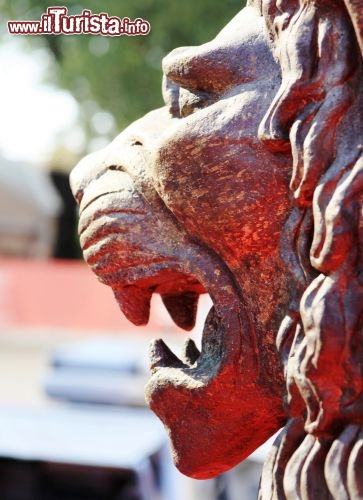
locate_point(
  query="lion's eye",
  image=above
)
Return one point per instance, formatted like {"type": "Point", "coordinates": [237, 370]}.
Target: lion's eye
{"type": "Point", "coordinates": [181, 101]}
{"type": "Point", "coordinates": [192, 101]}
{"type": "Point", "coordinates": [170, 91]}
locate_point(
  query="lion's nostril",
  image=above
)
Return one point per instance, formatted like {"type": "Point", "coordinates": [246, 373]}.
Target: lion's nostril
{"type": "Point", "coordinates": [76, 185]}
{"type": "Point", "coordinates": [86, 171]}
{"type": "Point", "coordinates": [118, 168]}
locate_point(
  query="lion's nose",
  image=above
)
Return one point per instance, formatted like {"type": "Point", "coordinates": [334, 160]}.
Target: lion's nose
{"type": "Point", "coordinates": [86, 171]}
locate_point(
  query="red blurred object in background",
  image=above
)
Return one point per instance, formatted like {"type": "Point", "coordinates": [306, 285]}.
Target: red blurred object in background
{"type": "Point", "coordinates": [63, 294]}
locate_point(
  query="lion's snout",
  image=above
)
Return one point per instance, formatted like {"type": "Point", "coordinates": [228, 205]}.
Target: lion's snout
{"type": "Point", "coordinates": [85, 172]}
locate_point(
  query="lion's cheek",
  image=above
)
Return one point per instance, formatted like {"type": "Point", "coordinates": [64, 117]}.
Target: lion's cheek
{"type": "Point", "coordinates": [223, 188]}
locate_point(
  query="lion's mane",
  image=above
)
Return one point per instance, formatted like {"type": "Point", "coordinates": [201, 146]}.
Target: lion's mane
{"type": "Point", "coordinates": [317, 112]}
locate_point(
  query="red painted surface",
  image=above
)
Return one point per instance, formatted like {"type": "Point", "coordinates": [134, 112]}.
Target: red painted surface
{"type": "Point", "coordinates": [61, 294]}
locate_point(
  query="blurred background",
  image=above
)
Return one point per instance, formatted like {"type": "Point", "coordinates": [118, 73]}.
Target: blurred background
{"type": "Point", "coordinates": [73, 424]}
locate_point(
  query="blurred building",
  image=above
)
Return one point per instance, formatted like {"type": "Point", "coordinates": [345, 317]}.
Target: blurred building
{"type": "Point", "coordinates": [66, 244]}
{"type": "Point", "coordinates": [29, 210]}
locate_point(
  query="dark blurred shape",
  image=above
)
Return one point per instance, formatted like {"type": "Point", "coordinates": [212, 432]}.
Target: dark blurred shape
{"type": "Point", "coordinates": [66, 244]}
{"type": "Point", "coordinates": [29, 480]}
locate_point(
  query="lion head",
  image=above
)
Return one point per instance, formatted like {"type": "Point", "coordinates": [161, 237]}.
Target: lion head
{"type": "Point", "coordinates": [186, 201]}
{"type": "Point", "coordinates": [220, 191]}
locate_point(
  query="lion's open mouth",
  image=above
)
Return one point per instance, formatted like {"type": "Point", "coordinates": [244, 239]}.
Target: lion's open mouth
{"type": "Point", "coordinates": [135, 245]}
{"type": "Point", "coordinates": [117, 253]}
{"type": "Point", "coordinates": [134, 275]}
{"type": "Point", "coordinates": [194, 368]}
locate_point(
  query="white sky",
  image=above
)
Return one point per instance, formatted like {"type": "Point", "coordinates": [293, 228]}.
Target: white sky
{"type": "Point", "coordinates": [32, 115]}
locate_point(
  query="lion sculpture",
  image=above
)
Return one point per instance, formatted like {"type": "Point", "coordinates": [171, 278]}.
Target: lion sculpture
{"type": "Point", "coordinates": [247, 185]}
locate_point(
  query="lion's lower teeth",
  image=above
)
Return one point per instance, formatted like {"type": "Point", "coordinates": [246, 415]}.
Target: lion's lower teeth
{"type": "Point", "coordinates": [161, 356]}
{"type": "Point", "coordinates": [190, 352]}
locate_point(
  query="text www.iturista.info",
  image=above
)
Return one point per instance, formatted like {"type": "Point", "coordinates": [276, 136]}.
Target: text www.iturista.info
{"type": "Point", "coordinates": [57, 22]}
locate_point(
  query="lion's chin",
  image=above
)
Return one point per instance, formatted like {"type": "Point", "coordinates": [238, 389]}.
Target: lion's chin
{"type": "Point", "coordinates": [212, 403]}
